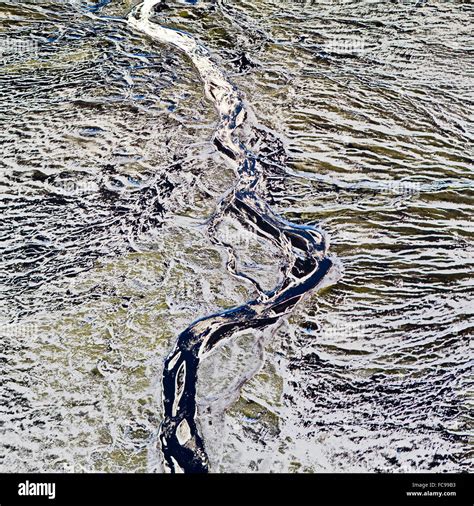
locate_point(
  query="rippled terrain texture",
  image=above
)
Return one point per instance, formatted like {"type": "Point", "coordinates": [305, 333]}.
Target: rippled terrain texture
{"type": "Point", "coordinates": [109, 175]}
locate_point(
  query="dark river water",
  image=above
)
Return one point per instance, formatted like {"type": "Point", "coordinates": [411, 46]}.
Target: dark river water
{"type": "Point", "coordinates": [359, 116]}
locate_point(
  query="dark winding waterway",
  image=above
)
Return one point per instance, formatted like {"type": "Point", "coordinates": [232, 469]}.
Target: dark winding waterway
{"type": "Point", "coordinates": [152, 178]}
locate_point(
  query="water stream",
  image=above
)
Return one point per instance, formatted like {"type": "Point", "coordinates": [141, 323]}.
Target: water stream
{"type": "Point", "coordinates": [173, 162]}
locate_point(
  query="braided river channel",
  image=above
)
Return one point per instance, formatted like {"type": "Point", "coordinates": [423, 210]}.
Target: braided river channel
{"type": "Point", "coordinates": [236, 236]}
